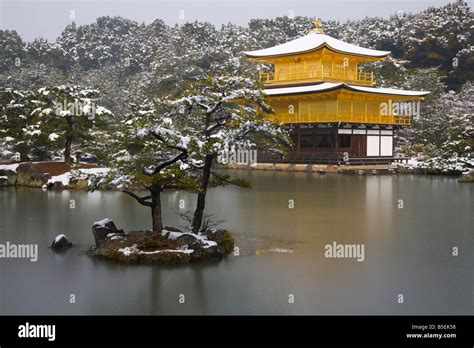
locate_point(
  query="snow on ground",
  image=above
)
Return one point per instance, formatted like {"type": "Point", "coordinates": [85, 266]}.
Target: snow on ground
{"type": "Point", "coordinates": [13, 166]}
{"type": "Point", "coordinates": [114, 236]}
{"type": "Point", "coordinates": [94, 170]}
{"type": "Point", "coordinates": [83, 173]}
{"type": "Point", "coordinates": [63, 178]}
{"type": "Point", "coordinates": [413, 162]}
{"type": "Point", "coordinates": [127, 251]}
{"type": "Point", "coordinates": [202, 238]}
{"type": "Point", "coordinates": [458, 164]}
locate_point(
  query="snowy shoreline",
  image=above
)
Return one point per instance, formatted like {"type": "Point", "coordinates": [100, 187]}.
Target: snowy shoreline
{"type": "Point", "coordinates": [83, 178]}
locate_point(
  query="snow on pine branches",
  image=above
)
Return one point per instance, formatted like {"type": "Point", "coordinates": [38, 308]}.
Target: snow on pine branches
{"type": "Point", "coordinates": [173, 143]}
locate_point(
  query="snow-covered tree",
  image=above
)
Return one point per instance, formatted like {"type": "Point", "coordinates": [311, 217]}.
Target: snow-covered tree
{"type": "Point", "coordinates": [221, 114]}
{"type": "Point", "coordinates": [128, 61]}
{"type": "Point", "coordinates": [12, 50]}
{"type": "Point", "coordinates": [173, 143]}
{"type": "Point", "coordinates": [449, 143]}
{"type": "Point", "coordinates": [18, 129]}
{"type": "Point", "coordinates": [153, 152]}
{"type": "Point", "coordinates": [70, 115]}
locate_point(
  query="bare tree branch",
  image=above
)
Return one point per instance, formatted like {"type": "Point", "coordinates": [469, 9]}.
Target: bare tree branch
{"type": "Point", "coordinates": [141, 200]}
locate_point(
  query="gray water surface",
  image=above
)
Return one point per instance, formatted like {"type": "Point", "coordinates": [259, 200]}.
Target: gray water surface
{"type": "Point", "coordinates": [408, 251]}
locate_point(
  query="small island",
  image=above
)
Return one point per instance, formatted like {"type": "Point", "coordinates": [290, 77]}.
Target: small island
{"type": "Point", "coordinates": [171, 246]}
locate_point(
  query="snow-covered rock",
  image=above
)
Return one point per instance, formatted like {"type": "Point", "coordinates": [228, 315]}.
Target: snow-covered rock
{"type": "Point", "coordinates": [467, 177]}
{"type": "Point", "coordinates": [103, 228]}
{"type": "Point", "coordinates": [61, 243]}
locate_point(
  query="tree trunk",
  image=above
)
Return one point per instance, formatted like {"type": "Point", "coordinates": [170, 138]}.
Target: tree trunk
{"type": "Point", "coordinates": [23, 150]}
{"type": "Point", "coordinates": [24, 155]}
{"type": "Point", "coordinates": [201, 200]}
{"type": "Point", "coordinates": [156, 209]}
{"type": "Point", "coordinates": [68, 144]}
{"type": "Point", "coordinates": [67, 150]}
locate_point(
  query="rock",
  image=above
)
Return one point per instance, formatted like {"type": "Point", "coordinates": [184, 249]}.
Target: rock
{"type": "Point", "coordinates": [57, 186]}
{"type": "Point", "coordinates": [6, 172]}
{"type": "Point", "coordinates": [201, 253]}
{"type": "Point", "coordinates": [467, 177]}
{"type": "Point", "coordinates": [60, 243]}
{"type": "Point", "coordinates": [223, 239]}
{"type": "Point", "coordinates": [187, 239]}
{"type": "Point", "coordinates": [28, 174]}
{"type": "Point", "coordinates": [7, 177]}
{"type": "Point", "coordinates": [78, 183]}
{"type": "Point", "coordinates": [172, 229]}
{"type": "Point", "coordinates": [101, 229]}
{"type": "Point", "coordinates": [89, 158]}
{"type": "Point", "coordinates": [321, 172]}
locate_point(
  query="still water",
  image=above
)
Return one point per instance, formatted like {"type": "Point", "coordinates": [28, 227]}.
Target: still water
{"type": "Point", "coordinates": [408, 250]}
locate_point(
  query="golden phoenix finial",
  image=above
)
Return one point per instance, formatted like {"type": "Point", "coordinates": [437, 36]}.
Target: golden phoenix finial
{"type": "Point", "coordinates": [318, 27]}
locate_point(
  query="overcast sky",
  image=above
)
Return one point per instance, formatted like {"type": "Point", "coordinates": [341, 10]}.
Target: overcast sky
{"type": "Point", "coordinates": [39, 18]}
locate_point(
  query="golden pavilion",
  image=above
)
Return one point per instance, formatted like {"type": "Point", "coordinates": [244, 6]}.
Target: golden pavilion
{"type": "Point", "coordinates": [318, 87]}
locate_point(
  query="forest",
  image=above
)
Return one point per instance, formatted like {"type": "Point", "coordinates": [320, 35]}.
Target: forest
{"type": "Point", "coordinates": [116, 66]}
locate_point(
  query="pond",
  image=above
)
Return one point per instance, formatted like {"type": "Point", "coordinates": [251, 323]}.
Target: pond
{"type": "Point", "coordinates": [407, 224]}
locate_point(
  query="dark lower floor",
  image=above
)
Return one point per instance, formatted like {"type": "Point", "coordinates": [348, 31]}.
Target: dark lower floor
{"type": "Point", "coordinates": [333, 144]}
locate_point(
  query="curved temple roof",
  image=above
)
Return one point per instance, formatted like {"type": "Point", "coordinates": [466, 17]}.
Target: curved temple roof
{"type": "Point", "coordinates": [312, 42]}
{"type": "Point", "coordinates": [327, 86]}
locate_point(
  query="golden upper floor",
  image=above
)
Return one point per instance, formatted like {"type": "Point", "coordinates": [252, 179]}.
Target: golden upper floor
{"type": "Point", "coordinates": [321, 66]}
{"type": "Point", "coordinates": [316, 58]}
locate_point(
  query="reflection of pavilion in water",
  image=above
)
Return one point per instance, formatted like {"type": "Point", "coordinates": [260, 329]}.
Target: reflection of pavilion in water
{"type": "Point", "coordinates": [380, 203]}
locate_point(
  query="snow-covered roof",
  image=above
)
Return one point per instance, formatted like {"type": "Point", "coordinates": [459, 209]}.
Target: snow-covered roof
{"type": "Point", "coordinates": [327, 86]}
{"type": "Point", "coordinates": [312, 42]}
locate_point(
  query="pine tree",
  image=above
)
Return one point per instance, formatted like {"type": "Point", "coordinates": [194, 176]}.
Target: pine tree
{"type": "Point", "coordinates": [153, 152]}
{"type": "Point", "coordinates": [18, 129]}
{"type": "Point", "coordinates": [71, 116]}
{"type": "Point", "coordinates": [221, 114]}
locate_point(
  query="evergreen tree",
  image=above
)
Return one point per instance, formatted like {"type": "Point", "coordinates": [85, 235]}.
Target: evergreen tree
{"type": "Point", "coordinates": [221, 115]}
{"type": "Point", "coordinates": [71, 116]}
